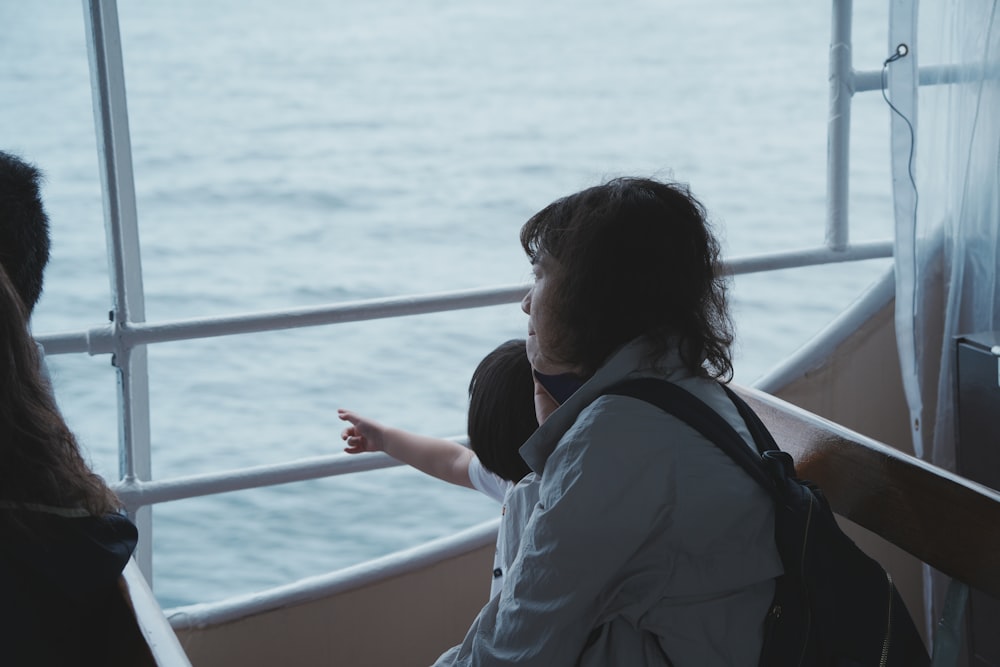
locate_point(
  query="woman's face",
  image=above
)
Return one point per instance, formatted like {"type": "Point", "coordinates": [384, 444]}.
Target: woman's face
{"type": "Point", "coordinates": [542, 329]}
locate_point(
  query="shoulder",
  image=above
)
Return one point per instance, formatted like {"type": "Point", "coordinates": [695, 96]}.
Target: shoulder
{"type": "Point", "coordinates": [624, 419]}
{"type": "Point", "coordinates": [74, 552]}
{"type": "Point", "coordinates": [617, 432]}
{"type": "Point", "coordinates": [618, 436]}
{"type": "Point", "coordinates": [610, 408]}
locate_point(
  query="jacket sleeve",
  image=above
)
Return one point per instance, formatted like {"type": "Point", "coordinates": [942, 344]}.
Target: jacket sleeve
{"type": "Point", "coordinates": [604, 488]}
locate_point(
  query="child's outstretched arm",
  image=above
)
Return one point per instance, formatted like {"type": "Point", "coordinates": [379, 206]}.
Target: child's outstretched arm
{"type": "Point", "coordinates": [444, 459]}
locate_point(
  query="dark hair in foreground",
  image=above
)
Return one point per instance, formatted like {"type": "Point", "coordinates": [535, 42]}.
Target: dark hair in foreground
{"type": "Point", "coordinates": [502, 410]}
{"type": "Point", "coordinates": [40, 461]}
{"type": "Point", "coordinates": [635, 257]}
{"type": "Point", "coordinates": [24, 228]}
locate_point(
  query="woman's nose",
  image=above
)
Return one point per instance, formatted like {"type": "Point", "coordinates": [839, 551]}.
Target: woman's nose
{"type": "Point", "coordinates": [526, 303]}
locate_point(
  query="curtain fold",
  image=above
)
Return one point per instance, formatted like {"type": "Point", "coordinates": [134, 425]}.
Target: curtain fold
{"type": "Point", "coordinates": [956, 234]}
{"type": "Point", "coordinates": [948, 242]}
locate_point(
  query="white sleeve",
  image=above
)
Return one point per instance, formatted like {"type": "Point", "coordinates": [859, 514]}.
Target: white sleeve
{"type": "Point", "coordinates": [487, 482]}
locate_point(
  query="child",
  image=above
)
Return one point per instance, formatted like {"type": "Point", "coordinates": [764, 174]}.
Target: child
{"type": "Point", "coordinates": [501, 418]}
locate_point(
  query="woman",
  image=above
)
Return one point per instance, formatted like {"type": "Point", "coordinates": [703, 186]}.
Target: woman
{"type": "Point", "coordinates": [63, 543]}
{"type": "Point", "coordinates": [646, 545]}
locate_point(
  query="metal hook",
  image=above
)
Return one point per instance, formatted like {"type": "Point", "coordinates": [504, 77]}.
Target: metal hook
{"type": "Point", "coordinates": [901, 51]}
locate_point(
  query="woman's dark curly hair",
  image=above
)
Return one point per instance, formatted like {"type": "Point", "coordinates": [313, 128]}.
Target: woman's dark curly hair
{"type": "Point", "coordinates": [502, 409]}
{"type": "Point", "coordinates": [634, 257]}
{"type": "Point", "coordinates": [40, 461]}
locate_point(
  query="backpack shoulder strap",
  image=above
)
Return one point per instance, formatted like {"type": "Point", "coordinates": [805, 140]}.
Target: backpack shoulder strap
{"type": "Point", "coordinates": [684, 405]}
{"type": "Point", "coordinates": [761, 436]}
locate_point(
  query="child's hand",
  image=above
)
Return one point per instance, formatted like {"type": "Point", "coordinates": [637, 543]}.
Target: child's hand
{"type": "Point", "coordinates": [363, 435]}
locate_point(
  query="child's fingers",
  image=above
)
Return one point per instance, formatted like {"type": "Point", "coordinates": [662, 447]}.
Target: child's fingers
{"type": "Point", "coordinates": [355, 441]}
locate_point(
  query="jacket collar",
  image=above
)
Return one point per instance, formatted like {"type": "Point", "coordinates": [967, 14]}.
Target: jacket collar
{"type": "Point", "coordinates": [634, 359]}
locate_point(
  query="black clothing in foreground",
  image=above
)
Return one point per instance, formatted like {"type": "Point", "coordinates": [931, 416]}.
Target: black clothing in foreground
{"type": "Point", "coordinates": [61, 601]}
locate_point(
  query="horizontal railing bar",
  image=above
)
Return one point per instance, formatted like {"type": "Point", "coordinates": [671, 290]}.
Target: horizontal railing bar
{"type": "Point", "coordinates": [135, 493]}
{"type": "Point", "coordinates": [929, 75]}
{"type": "Point", "coordinates": [855, 252]}
{"type": "Point", "coordinates": [99, 340]}
{"type": "Point", "coordinates": [322, 586]}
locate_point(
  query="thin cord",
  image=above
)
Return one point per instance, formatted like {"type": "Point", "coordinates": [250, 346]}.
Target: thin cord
{"type": "Point", "coordinates": [902, 51]}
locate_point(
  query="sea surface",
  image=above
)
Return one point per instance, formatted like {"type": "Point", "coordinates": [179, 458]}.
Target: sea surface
{"type": "Point", "coordinates": [308, 152]}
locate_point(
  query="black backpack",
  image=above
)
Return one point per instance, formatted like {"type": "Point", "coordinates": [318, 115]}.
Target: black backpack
{"type": "Point", "coordinates": [834, 606]}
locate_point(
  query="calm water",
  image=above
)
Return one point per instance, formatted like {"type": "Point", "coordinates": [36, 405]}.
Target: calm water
{"type": "Point", "coordinates": [306, 152]}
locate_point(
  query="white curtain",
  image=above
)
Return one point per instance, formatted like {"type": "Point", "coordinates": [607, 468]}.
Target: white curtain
{"type": "Point", "coordinates": [948, 225]}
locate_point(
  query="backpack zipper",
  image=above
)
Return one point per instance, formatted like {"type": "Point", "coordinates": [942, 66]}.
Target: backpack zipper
{"type": "Point", "coordinates": [888, 626]}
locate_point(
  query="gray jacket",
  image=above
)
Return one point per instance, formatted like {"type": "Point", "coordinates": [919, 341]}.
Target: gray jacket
{"type": "Point", "coordinates": [645, 545]}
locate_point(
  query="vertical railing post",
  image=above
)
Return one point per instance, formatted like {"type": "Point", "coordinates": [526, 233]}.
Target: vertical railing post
{"type": "Point", "coordinates": [839, 126]}
{"type": "Point", "coordinates": [115, 150]}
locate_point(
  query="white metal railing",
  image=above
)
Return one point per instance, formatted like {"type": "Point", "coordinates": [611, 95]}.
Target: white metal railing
{"type": "Point", "coordinates": [839, 127]}
{"type": "Point", "coordinates": [137, 493]}
{"type": "Point", "coordinates": [104, 339]}
{"type": "Point", "coordinates": [127, 335]}
{"type": "Point", "coordinates": [107, 75]}
{"type": "Point", "coordinates": [107, 338]}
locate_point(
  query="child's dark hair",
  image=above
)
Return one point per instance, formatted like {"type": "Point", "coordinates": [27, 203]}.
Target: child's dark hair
{"type": "Point", "coordinates": [636, 257]}
{"type": "Point", "coordinates": [502, 410]}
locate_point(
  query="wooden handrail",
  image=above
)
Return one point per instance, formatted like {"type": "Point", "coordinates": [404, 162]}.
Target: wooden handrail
{"type": "Point", "coordinates": [947, 521]}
